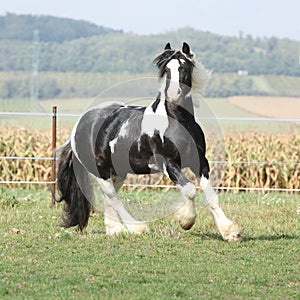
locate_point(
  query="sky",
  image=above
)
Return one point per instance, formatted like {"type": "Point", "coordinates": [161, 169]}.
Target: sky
{"type": "Point", "coordinates": [260, 18]}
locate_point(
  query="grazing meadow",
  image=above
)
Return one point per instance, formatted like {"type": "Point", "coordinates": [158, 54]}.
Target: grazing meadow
{"type": "Point", "coordinates": [40, 260]}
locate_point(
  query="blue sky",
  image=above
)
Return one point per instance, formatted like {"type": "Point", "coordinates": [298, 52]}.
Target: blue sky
{"type": "Point", "coordinates": [256, 17]}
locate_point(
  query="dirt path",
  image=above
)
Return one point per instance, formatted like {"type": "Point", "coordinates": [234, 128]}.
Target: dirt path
{"type": "Point", "coordinates": [274, 107]}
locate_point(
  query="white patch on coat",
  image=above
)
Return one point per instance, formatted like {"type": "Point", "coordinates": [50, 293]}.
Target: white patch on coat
{"type": "Point", "coordinates": [182, 61]}
{"type": "Point", "coordinates": [124, 129]}
{"type": "Point", "coordinates": [155, 121]}
{"type": "Point", "coordinates": [173, 91]}
{"type": "Point", "coordinates": [174, 65]}
{"type": "Point", "coordinates": [165, 170]}
{"type": "Point", "coordinates": [122, 133]}
{"type": "Point", "coordinates": [112, 145]}
{"type": "Point", "coordinates": [153, 167]}
{"type": "Point", "coordinates": [74, 130]}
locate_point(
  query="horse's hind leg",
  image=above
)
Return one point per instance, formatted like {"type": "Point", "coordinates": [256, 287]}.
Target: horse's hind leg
{"type": "Point", "coordinates": [112, 221]}
{"type": "Point", "coordinates": [113, 224]}
{"type": "Point", "coordinates": [229, 230]}
{"type": "Point", "coordinates": [115, 210]}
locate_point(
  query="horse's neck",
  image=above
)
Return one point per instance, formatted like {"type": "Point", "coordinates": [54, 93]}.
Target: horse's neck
{"type": "Point", "coordinates": [183, 111]}
{"type": "Point", "coordinates": [187, 104]}
{"type": "Point", "coordinates": [185, 107]}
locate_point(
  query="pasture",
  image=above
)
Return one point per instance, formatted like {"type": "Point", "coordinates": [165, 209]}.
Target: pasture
{"type": "Point", "coordinates": [39, 260]}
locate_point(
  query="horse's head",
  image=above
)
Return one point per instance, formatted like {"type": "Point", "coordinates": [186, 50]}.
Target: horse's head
{"type": "Point", "coordinates": [176, 69]}
{"type": "Point", "coordinates": [181, 73]}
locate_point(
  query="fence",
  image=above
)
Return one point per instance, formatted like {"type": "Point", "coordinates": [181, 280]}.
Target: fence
{"type": "Point", "coordinates": [54, 115]}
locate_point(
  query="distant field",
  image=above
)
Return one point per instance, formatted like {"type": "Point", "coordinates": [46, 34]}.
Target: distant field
{"type": "Point", "coordinates": [78, 85]}
{"type": "Point", "coordinates": [241, 106]}
{"type": "Point", "coordinates": [273, 107]}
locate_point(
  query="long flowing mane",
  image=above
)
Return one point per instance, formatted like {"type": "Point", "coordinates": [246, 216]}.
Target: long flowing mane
{"type": "Point", "coordinates": [200, 79]}
{"type": "Point", "coordinates": [162, 60]}
{"type": "Point", "coordinates": [200, 75]}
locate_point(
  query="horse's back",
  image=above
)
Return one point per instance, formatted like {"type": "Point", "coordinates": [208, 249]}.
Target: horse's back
{"type": "Point", "coordinates": [94, 136]}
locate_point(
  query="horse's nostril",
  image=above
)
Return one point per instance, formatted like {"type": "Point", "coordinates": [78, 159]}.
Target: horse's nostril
{"type": "Point", "coordinates": [179, 91]}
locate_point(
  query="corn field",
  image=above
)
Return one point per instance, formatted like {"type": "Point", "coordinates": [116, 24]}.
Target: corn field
{"type": "Point", "coordinates": [238, 172]}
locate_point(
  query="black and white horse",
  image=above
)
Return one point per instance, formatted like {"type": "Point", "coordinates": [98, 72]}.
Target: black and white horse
{"type": "Point", "coordinates": [110, 141]}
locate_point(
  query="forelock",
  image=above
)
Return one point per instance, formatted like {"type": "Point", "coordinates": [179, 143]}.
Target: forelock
{"type": "Point", "coordinates": [164, 58]}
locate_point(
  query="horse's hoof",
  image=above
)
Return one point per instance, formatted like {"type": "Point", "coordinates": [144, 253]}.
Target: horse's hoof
{"type": "Point", "coordinates": [138, 228]}
{"type": "Point", "coordinates": [235, 239]}
{"type": "Point", "coordinates": [186, 215]}
{"type": "Point", "coordinates": [233, 234]}
{"type": "Point", "coordinates": [114, 228]}
{"type": "Point", "coordinates": [187, 225]}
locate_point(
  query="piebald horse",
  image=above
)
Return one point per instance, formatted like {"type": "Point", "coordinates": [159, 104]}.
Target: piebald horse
{"type": "Point", "coordinates": [110, 141]}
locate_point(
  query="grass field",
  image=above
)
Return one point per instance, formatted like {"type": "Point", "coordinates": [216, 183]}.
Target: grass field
{"type": "Point", "coordinates": [39, 260]}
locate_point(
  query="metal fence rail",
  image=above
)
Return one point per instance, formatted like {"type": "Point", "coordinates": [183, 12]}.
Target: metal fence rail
{"type": "Point", "coordinates": [220, 162]}
{"type": "Point", "coordinates": [164, 186]}
{"type": "Point", "coordinates": [239, 119]}
{"type": "Point", "coordinates": [54, 115]}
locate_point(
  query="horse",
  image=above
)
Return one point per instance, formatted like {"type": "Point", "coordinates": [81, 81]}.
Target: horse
{"type": "Point", "coordinates": [113, 140]}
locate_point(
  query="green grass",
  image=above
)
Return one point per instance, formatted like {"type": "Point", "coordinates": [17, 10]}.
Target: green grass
{"type": "Point", "coordinates": [42, 261]}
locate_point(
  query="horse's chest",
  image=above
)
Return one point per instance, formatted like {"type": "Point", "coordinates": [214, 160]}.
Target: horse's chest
{"type": "Point", "coordinates": [155, 121]}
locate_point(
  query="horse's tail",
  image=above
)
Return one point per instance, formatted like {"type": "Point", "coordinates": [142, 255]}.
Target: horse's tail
{"type": "Point", "coordinates": [75, 189]}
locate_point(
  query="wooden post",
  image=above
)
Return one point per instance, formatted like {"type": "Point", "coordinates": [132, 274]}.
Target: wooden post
{"type": "Point", "coordinates": [53, 173]}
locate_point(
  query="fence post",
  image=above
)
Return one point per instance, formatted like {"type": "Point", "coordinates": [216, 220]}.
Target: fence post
{"type": "Point", "coordinates": [53, 173]}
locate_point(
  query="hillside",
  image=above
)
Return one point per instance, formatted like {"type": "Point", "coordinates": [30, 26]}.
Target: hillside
{"type": "Point", "coordinates": [117, 52]}
{"type": "Point", "coordinates": [51, 29]}
{"type": "Point", "coordinates": [67, 45]}
{"type": "Point", "coordinates": [91, 54]}
{"type": "Point", "coordinates": [61, 85]}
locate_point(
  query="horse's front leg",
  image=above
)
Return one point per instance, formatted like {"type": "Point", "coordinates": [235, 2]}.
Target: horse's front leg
{"type": "Point", "coordinates": [229, 230]}
{"type": "Point", "coordinates": [186, 212]}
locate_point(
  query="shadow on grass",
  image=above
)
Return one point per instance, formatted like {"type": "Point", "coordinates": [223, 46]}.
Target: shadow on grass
{"type": "Point", "coordinates": [275, 237]}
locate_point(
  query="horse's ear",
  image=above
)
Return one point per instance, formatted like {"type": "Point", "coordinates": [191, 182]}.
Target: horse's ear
{"type": "Point", "coordinates": [168, 46]}
{"type": "Point", "coordinates": [186, 50]}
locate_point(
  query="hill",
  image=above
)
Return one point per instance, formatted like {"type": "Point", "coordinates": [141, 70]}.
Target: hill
{"type": "Point", "coordinates": [84, 50]}
{"type": "Point", "coordinates": [61, 85]}
{"type": "Point", "coordinates": [118, 52]}
{"type": "Point", "coordinates": [51, 29]}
